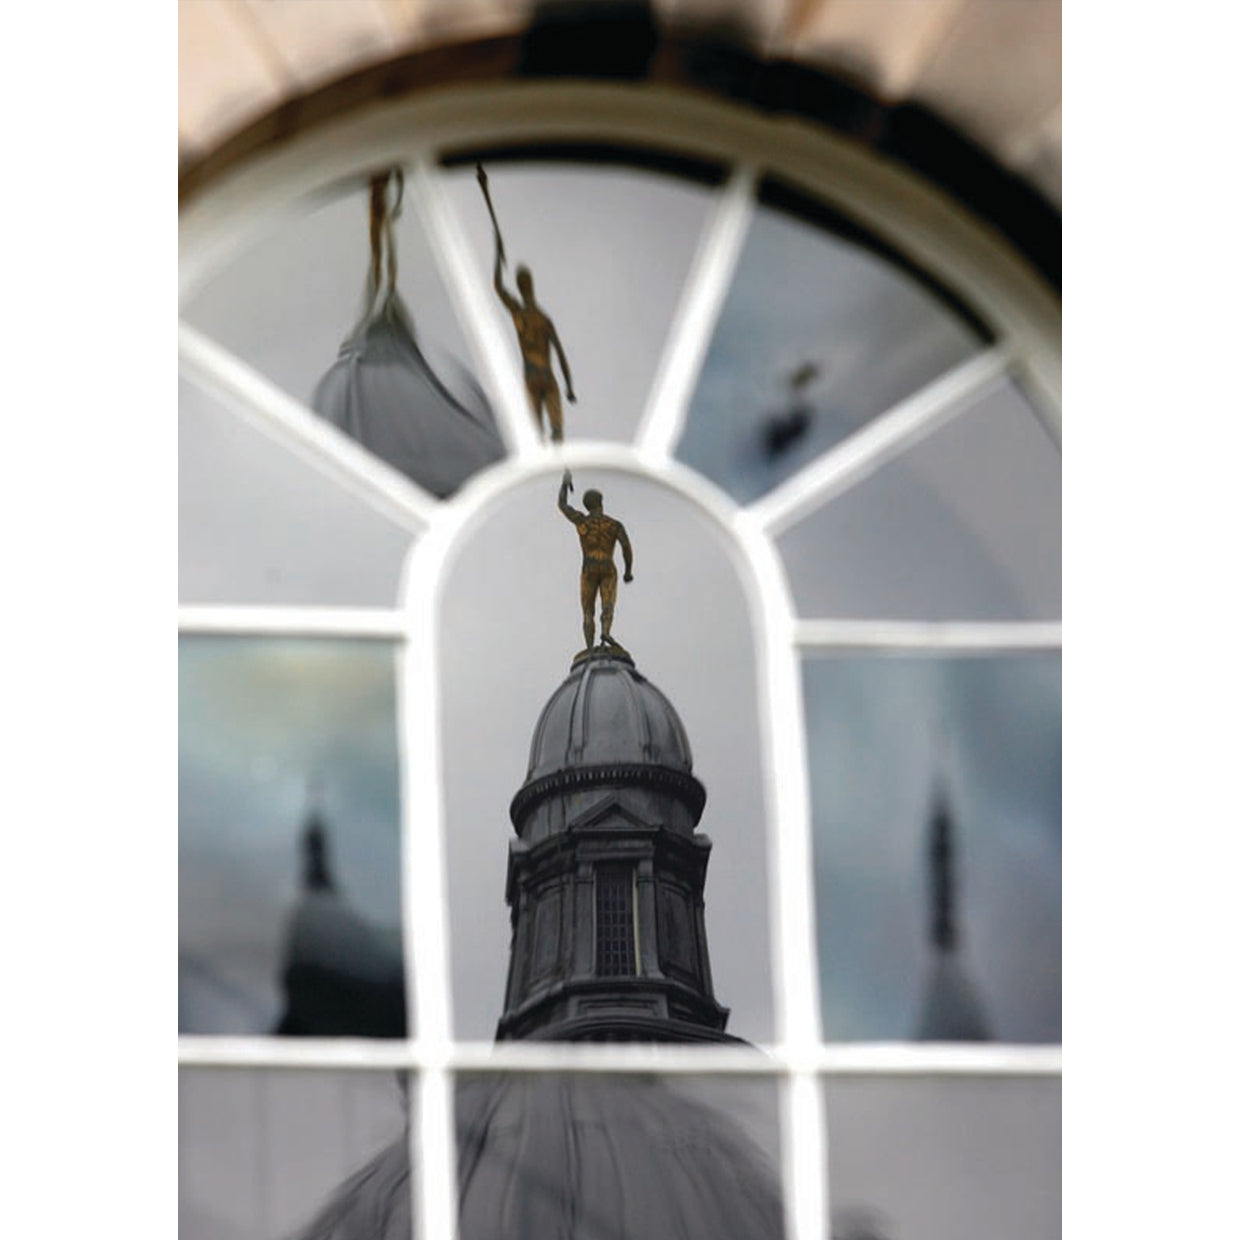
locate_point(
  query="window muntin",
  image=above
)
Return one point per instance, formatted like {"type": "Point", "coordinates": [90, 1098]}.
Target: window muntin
{"type": "Point", "coordinates": [818, 335]}
{"type": "Point", "coordinates": [610, 249]}
{"type": "Point", "coordinates": [792, 1059]}
{"type": "Point", "coordinates": [259, 524]}
{"type": "Point", "coordinates": [963, 525]}
{"type": "Point", "coordinates": [287, 301]}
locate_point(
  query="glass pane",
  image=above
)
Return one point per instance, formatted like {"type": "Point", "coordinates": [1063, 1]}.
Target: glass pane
{"type": "Point", "coordinates": [944, 1158]}
{"type": "Point", "coordinates": [289, 838]}
{"type": "Point", "coordinates": [608, 248]}
{"type": "Point", "coordinates": [819, 334]}
{"type": "Point", "coordinates": [267, 1154]}
{"type": "Point", "coordinates": [404, 386]}
{"type": "Point", "coordinates": [260, 525]}
{"type": "Point", "coordinates": [963, 526]}
{"type": "Point", "coordinates": [936, 797]}
{"type": "Point", "coordinates": [598, 1158]}
{"type": "Point", "coordinates": [611, 763]}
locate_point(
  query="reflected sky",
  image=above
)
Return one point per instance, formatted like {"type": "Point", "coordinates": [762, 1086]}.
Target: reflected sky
{"type": "Point", "coordinates": [259, 525]}
{"type": "Point", "coordinates": [964, 525]}
{"type": "Point", "coordinates": [511, 624]}
{"type": "Point", "coordinates": [260, 720]}
{"type": "Point", "coordinates": [261, 1151]}
{"type": "Point", "coordinates": [944, 1158]}
{"type": "Point", "coordinates": [609, 249]}
{"type": "Point", "coordinates": [817, 335]}
{"type": "Point", "coordinates": [881, 732]}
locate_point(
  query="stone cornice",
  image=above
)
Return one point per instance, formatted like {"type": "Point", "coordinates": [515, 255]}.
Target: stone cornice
{"type": "Point", "coordinates": [575, 779]}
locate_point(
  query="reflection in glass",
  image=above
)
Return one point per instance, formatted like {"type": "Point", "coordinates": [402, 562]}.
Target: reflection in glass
{"type": "Point", "coordinates": [599, 1158]}
{"type": "Point", "coordinates": [280, 1154]}
{"type": "Point", "coordinates": [510, 628]}
{"type": "Point", "coordinates": [289, 838]}
{"type": "Point", "coordinates": [936, 790]}
{"type": "Point", "coordinates": [608, 249]}
{"type": "Point", "coordinates": [259, 525]}
{"type": "Point", "coordinates": [946, 1158]}
{"type": "Point", "coordinates": [380, 355]}
{"type": "Point", "coordinates": [965, 525]}
{"type": "Point", "coordinates": [382, 390]}
{"type": "Point", "coordinates": [819, 334]}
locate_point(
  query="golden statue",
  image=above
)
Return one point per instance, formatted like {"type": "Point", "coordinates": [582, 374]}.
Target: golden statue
{"type": "Point", "coordinates": [536, 336]}
{"type": "Point", "coordinates": [599, 534]}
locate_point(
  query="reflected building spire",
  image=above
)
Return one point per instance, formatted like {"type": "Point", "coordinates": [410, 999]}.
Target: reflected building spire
{"type": "Point", "coordinates": [951, 1010]}
{"type": "Point", "coordinates": [342, 975]}
{"type": "Point", "coordinates": [316, 874]}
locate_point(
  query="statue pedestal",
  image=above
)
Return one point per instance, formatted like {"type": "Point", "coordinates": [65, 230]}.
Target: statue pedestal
{"type": "Point", "coordinates": [603, 651]}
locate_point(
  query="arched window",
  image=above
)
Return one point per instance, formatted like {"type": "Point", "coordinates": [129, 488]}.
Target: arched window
{"type": "Point", "coordinates": [824, 401]}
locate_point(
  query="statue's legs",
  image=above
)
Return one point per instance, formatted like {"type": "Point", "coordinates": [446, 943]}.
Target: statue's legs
{"type": "Point", "coordinates": [589, 589]}
{"type": "Point", "coordinates": [607, 590]}
{"type": "Point", "coordinates": [534, 397]}
{"type": "Point", "coordinates": [555, 414]}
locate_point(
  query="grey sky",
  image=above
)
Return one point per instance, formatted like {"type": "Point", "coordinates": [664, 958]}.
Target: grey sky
{"type": "Point", "coordinates": [965, 525]}
{"type": "Point", "coordinates": [260, 525]}
{"type": "Point", "coordinates": [961, 1158]}
{"type": "Point", "coordinates": [261, 1150]}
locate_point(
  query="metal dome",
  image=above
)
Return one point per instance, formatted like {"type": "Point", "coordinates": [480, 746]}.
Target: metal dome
{"type": "Point", "coordinates": [605, 713]}
{"type": "Point", "coordinates": [578, 1158]}
{"type": "Point", "coordinates": [383, 392]}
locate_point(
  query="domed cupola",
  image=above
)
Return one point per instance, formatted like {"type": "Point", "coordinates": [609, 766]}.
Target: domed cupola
{"type": "Point", "coordinates": [605, 712]}
{"type": "Point", "coordinates": [606, 877]}
{"type": "Point", "coordinates": [607, 727]}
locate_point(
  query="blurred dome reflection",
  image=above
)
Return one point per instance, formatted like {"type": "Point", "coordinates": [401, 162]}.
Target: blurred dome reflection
{"type": "Point", "coordinates": [579, 1157]}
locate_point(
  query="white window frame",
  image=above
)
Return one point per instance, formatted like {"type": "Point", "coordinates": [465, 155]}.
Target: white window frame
{"type": "Point", "coordinates": [907, 214]}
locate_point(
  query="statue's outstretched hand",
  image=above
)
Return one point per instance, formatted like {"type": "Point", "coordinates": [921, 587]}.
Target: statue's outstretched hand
{"type": "Point", "coordinates": [567, 480]}
{"type": "Point", "coordinates": [628, 576]}
{"type": "Point", "coordinates": [572, 396]}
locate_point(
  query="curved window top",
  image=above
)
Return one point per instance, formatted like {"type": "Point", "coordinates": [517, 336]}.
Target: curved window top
{"type": "Point", "coordinates": [855, 397]}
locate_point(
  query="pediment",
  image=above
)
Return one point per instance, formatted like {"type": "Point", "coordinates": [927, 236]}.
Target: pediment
{"type": "Point", "coordinates": [609, 812]}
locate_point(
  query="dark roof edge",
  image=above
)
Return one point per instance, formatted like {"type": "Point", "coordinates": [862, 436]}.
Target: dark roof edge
{"type": "Point", "coordinates": [622, 43]}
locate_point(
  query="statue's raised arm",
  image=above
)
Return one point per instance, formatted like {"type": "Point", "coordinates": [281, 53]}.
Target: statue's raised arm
{"type": "Point", "coordinates": [566, 485]}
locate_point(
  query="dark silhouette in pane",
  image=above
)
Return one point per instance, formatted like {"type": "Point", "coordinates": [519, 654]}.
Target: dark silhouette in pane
{"type": "Point", "coordinates": [342, 976]}
{"type": "Point", "coordinates": [952, 1011]}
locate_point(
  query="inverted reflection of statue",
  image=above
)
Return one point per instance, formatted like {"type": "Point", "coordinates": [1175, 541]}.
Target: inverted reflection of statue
{"type": "Point", "coordinates": [536, 336]}
{"type": "Point", "coordinates": [382, 390]}
{"type": "Point", "coordinates": [599, 534]}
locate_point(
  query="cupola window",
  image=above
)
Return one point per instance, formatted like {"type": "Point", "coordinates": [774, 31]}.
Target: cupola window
{"type": "Point", "coordinates": [615, 940]}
